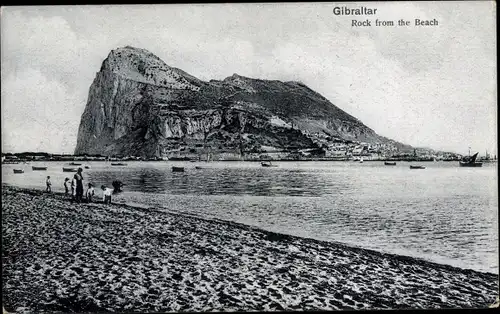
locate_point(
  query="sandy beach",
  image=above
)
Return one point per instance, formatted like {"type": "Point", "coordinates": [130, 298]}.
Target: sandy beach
{"type": "Point", "coordinates": [59, 256]}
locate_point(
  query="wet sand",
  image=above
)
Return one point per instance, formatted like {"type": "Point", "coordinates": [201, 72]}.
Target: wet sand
{"type": "Point", "coordinates": [59, 256]}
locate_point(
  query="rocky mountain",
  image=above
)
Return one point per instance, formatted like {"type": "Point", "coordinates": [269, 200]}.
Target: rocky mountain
{"type": "Point", "coordinates": [138, 105]}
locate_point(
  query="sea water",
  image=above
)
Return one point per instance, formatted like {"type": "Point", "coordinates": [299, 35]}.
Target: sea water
{"type": "Point", "coordinates": [443, 213]}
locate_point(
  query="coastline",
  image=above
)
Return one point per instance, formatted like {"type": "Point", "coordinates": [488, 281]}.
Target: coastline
{"type": "Point", "coordinates": [330, 159]}
{"type": "Point", "coordinates": [59, 256]}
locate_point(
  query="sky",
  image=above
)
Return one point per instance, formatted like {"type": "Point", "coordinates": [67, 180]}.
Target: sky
{"type": "Point", "coordinates": [429, 86]}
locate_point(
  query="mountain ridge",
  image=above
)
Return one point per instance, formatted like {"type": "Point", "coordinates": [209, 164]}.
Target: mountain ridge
{"type": "Point", "coordinates": [139, 105]}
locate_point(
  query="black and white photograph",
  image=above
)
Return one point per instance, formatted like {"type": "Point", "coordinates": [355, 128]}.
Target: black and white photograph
{"type": "Point", "coordinates": [248, 157]}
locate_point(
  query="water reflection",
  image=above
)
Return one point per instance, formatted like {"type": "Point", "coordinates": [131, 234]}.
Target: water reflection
{"type": "Point", "coordinates": [220, 181]}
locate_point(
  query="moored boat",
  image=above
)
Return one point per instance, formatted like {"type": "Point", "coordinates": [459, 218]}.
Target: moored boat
{"type": "Point", "coordinates": [470, 164]}
{"type": "Point", "coordinates": [198, 167]}
{"type": "Point", "coordinates": [417, 167]}
{"type": "Point", "coordinates": [65, 169]}
{"type": "Point", "coordinates": [18, 171]}
{"type": "Point", "coordinates": [179, 158]}
{"type": "Point", "coordinates": [389, 163]}
{"type": "Point", "coordinates": [40, 168]}
{"type": "Point", "coordinates": [75, 164]}
{"type": "Point", "coordinates": [267, 164]}
{"type": "Point", "coordinates": [87, 167]}
{"type": "Point", "coordinates": [177, 169]}
{"type": "Point", "coordinates": [118, 164]}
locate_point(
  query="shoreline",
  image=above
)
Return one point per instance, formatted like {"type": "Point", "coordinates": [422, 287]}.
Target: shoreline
{"type": "Point", "coordinates": [142, 259]}
{"type": "Point", "coordinates": [326, 243]}
{"type": "Point", "coordinates": [152, 209]}
{"type": "Point", "coordinates": [235, 160]}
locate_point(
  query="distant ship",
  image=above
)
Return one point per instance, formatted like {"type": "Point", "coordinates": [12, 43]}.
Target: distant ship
{"type": "Point", "coordinates": [470, 161]}
{"type": "Point", "coordinates": [487, 158]}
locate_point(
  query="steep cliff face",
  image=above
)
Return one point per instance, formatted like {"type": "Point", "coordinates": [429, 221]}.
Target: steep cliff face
{"type": "Point", "coordinates": [138, 105]}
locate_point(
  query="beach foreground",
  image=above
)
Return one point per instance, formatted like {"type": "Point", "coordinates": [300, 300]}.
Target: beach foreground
{"type": "Point", "coordinates": [59, 256]}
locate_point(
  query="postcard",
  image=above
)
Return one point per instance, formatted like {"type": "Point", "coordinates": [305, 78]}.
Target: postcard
{"type": "Point", "coordinates": [249, 157]}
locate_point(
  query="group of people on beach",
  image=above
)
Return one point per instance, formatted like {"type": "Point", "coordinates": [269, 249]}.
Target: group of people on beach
{"type": "Point", "coordinates": [77, 189]}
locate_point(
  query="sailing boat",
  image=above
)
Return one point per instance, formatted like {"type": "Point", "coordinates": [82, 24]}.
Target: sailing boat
{"type": "Point", "coordinates": [470, 161]}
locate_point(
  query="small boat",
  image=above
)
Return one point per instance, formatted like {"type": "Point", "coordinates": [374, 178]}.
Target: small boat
{"type": "Point", "coordinates": [389, 163]}
{"type": "Point", "coordinates": [470, 161]}
{"type": "Point", "coordinates": [417, 167]}
{"type": "Point", "coordinates": [469, 164]}
{"type": "Point", "coordinates": [18, 171]}
{"type": "Point", "coordinates": [179, 158]}
{"type": "Point", "coordinates": [267, 164]}
{"type": "Point", "coordinates": [177, 169]}
{"type": "Point", "coordinates": [10, 162]}
{"type": "Point", "coordinates": [198, 167]}
{"type": "Point", "coordinates": [69, 169]}
{"type": "Point", "coordinates": [35, 168]}
{"type": "Point", "coordinates": [87, 167]}
{"type": "Point", "coordinates": [361, 160]}
{"type": "Point", "coordinates": [118, 164]}
{"type": "Point", "coordinates": [75, 164]}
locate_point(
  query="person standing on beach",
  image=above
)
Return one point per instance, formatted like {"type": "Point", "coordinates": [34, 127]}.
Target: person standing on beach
{"type": "Point", "coordinates": [73, 189]}
{"type": "Point", "coordinates": [66, 189]}
{"type": "Point", "coordinates": [106, 195]}
{"type": "Point", "coordinates": [89, 193]}
{"type": "Point", "coordinates": [79, 185]}
{"type": "Point", "coordinates": [49, 184]}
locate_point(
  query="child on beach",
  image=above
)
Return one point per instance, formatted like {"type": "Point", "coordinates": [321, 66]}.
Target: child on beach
{"type": "Point", "coordinates": [49, 184]}
{"type": "Point", "coordinates": [66, 189]}
{"type": "Point", "coordinates": [106, 197]}
{"type": "Point", "coordinates": [90, 193]}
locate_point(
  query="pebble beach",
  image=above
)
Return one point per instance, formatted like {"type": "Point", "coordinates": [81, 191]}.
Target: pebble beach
{"type": "Point", "coordinates": [64, 257]}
